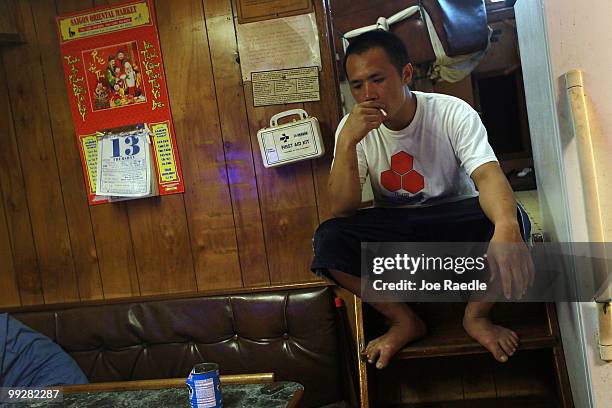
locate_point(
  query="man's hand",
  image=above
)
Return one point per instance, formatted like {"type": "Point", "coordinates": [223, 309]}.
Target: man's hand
{"type": "Point", "coordinates": [364, 117]}
{"type": "Point", "coordinates": [508, 256]}
{"type": "Point", "coordinates": [510, 260]}
{"type": "Point", "coordinates": [344, 183]}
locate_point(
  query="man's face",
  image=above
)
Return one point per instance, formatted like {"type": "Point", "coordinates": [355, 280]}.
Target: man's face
{"type": "Point", "coordinates": [372, 77]}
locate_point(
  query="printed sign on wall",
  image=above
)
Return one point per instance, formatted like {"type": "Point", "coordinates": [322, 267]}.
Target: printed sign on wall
{"type": "Point", "coordinates": [115, 77]}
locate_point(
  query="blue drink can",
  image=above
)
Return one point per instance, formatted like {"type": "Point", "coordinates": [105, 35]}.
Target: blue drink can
{"type": "Point", "coordinates": [204, 386]}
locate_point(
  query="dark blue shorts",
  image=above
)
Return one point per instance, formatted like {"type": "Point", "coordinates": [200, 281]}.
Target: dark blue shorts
{"type": "Point", "coordinates": [337, 242]}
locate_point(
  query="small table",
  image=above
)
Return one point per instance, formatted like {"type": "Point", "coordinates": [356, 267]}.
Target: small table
{"type": "Point", "coordinates": [128, 394]}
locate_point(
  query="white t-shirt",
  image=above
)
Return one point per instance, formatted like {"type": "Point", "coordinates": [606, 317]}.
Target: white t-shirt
{"type": "Point", "coordinates": [428, 162]}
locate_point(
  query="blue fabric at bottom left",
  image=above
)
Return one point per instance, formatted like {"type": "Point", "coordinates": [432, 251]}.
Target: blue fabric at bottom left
{"type": "Point", "coordinates": [30, 359]}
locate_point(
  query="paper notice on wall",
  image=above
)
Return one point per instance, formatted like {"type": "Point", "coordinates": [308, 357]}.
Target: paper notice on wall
{"type": "Point", "coordinates": [166, 162]}
{"type": "Point", "coordinates": [281, 43]}
{"type": "Point", "coordinates": [124, 168]}
{"type": "Point", "coordinates": [89, 148]}
{"type": "Point", "coordinates": [285, 86]}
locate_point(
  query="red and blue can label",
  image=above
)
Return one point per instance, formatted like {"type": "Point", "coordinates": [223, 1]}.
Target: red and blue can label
{"type": "Point", "coordinates": [204, 386]}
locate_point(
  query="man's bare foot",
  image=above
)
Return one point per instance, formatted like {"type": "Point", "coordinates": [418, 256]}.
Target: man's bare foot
{"type": "Point", "coordinates": [383, 348]}
{"type": "Point", "coordinates": [501, 342]}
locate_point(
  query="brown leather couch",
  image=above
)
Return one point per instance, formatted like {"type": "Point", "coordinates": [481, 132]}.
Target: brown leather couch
{"type": "Point", "coordinates": [290, 332]}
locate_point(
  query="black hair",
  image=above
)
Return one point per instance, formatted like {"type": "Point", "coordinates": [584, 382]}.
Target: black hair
{"type": "Point", "coordinates": [392, 45]}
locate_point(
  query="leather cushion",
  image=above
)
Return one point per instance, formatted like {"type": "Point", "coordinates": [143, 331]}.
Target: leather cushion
{"type": "Point", "coordinates": [461, 25]}
{"type": "Point", "coordinates": [291, 333]}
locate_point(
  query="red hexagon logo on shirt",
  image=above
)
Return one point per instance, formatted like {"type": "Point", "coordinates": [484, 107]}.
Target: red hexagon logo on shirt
{"type": "Point", "coordinates": [401, 162]}
{"type": "Point", "coordinates": [413, 182]}
{"type": "Point", "coordinates": [391, 180]}
{"type": "Point", "coordinates": [402, 174]}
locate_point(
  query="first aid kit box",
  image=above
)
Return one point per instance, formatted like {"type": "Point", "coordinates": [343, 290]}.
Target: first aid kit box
{"type": "Point", "coordinates": [290, 142]}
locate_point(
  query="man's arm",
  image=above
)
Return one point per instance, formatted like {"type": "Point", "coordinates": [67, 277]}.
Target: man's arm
{"type": "Point", "coordinates": [508, 255]}
{"type": "Point", "coordinates": [344, 184]}
{"type": "Point", "coordinates": [497, 199]}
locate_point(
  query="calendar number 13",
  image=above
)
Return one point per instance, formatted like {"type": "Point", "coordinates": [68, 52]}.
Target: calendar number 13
{"type": "Point", "coordinates": [132, 146]}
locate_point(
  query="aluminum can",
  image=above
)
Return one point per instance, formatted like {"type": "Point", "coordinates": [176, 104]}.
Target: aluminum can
{"type": "Point", "coordinates": [204, 386]}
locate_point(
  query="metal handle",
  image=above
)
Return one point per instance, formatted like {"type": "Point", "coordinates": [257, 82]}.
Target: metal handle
{"type": "Point", "coordinates": [579, 123]}
{"type": "Point", "coordinates": [584, 143]}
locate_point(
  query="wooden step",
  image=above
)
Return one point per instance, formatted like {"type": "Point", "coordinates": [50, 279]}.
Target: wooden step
{"type": "Point", "coordinates": [453, 340]}
{"type": "Point", "coordinates": [465, 378]}
{"type": "Point", "coordinates": [446, 336]}
{"type": "Point", "coordinates": [508, 402]}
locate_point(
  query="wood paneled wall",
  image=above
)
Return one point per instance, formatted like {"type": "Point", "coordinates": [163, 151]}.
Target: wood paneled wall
{"type": "Point", "coordinates": [237, 224]}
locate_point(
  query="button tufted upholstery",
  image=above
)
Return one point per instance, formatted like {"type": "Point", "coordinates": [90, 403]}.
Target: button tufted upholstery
{"type": "Point", "coordinates": [291, 333]}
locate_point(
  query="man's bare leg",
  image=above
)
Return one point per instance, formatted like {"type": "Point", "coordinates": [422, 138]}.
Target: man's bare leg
{"type": "Point", "coordinates": [501, 342]}
{"type": "Point", "coordinates": [404, 325]}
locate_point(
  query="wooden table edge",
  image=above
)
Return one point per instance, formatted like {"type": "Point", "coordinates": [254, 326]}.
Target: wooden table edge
{"type": "Point", "coordinates": [296, 400]}
{"type": "Point", "coordinates": [259, 378]}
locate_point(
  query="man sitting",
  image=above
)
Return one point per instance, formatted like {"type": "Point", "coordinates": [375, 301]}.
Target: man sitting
{"type": "Point", "coordinates": [447, 144]}
{"type": "Point", "coordinates": [30, 359]}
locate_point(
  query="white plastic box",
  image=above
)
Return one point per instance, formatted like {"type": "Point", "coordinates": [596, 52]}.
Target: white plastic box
{"type": "Point", "coordinates": [291, 142]}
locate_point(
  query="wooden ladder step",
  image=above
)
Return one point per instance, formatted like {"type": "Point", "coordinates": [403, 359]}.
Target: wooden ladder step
{"type": "Point", "coordinates": [453, 340]}
{"type": "Point", "coordinates": [446, 336]}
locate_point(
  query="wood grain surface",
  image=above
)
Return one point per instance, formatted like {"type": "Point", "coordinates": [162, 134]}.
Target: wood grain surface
{"type": "Point", "coordinates": [237, 224]}
{"type": "Point", "coordinates": [16, 211]}
{"type": "Point", "coordinates": [68, 160]}
{"type": "Point", "coordinates": [37, 154]}
{"type": "Point", "coordinates": [237, 142]}
{"type": "Point", "coordinates": [8, 280]}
